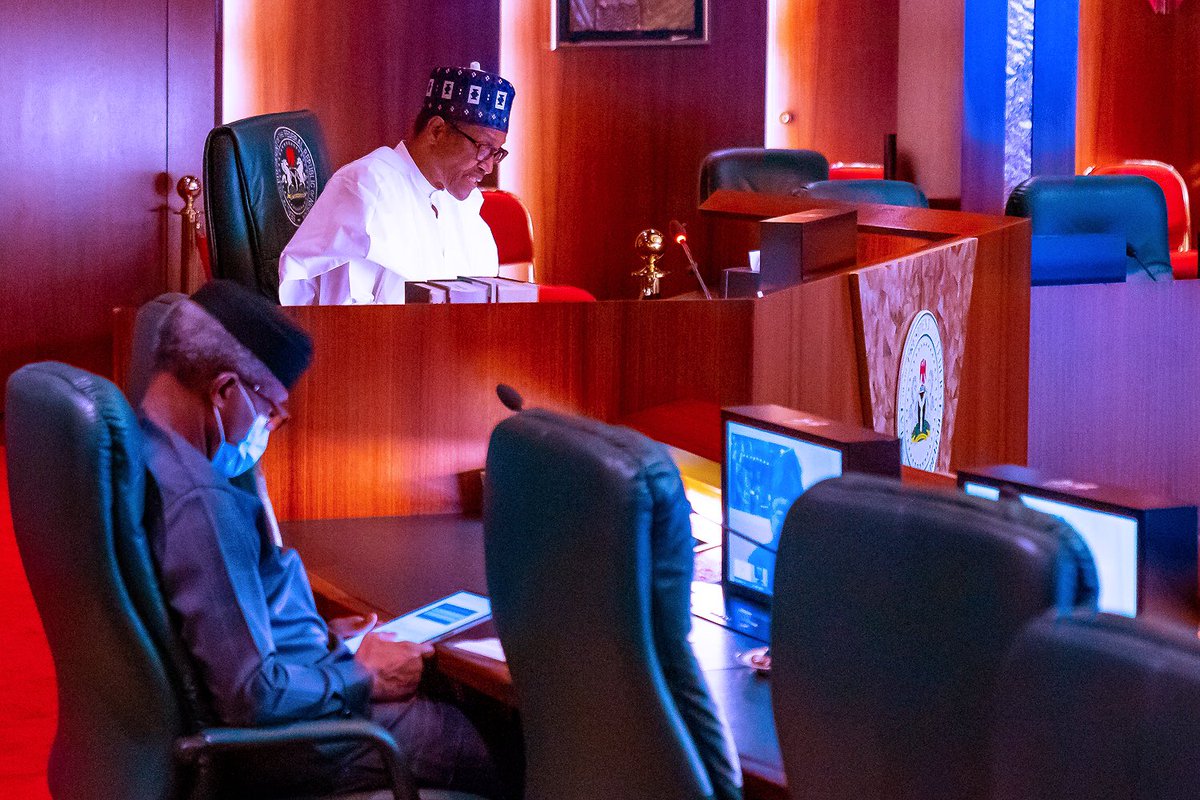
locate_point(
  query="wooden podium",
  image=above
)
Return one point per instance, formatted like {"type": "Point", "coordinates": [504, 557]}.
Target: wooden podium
{"type": "Point", "coordinates": [401, 399]}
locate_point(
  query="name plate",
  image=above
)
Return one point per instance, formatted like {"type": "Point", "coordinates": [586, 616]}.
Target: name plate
{"type": "Point", "coordinates": [806, 245]}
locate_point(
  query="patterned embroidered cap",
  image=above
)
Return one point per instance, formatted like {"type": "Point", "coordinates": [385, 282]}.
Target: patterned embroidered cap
{"type": "Point", "coordinates": [468, 94]}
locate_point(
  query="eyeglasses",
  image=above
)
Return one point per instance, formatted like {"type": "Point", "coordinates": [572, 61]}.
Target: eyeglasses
{"type": "Point", "coordinates": [485, 151]}
{"type": "Point", "coordinates": [277, 415]}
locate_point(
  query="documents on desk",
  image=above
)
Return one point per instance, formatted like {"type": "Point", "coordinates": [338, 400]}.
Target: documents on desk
{"type": "Point", "coordinates": [488, 648]}
{"type": "Point", "coordinates": [470, 290]}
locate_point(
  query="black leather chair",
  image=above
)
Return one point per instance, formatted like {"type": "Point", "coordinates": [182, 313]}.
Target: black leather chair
{"type": "Point", "coordinates": [132, 718]}
{"type": "Point", "coordinates": [869, 190]}
{"type": "Point", "coordinates": [1092, 705]}
{"type": "Point", "coordinates": [893, 608]}
{"type": "Point", "coordinates": [754, 169]}
{"type": "Point", "coordinates": [253, 203]}
{"type": "Point", "coordinates": [589, 566]}
{"type": "Point", "coordinates": [1094, 228]}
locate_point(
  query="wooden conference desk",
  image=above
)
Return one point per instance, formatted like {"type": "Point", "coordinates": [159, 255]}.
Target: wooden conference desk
{"type": "Point", "coordinates": [393, 565]}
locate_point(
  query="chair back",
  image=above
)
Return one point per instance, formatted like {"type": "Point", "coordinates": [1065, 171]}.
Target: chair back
{"type": "Point", "coordinates": [261, 177]}
{"type": "Point", "coordinates": [892, 610]}
{"type": "Point", "coordinates": [1175, 191]}
{"type": "Point", "coordinates": [512, 228]}
{"type": "Point", "coordinates": [589, 567]}
{"type": "Point", "coordinates": [1094, 208]}
{"type": "Point", "coordinates": [755, 169]}
{"type": "Point", "coordinates": [1092, 705]}
{"type": "Point", "coordinates": [887, 193]}
{"type": "Point", "coordinates": [77, 482]}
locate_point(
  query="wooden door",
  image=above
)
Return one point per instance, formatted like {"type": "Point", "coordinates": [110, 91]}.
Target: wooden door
{"type": "Point", "coordinates": [106, 104]}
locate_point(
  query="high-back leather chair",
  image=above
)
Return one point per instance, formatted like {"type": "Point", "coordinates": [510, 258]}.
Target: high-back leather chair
{"type": "Point", "coordinates": [1081, 224]}
{"type": "Point", "coordinates": [132, 717]}
{"type": "Point", "coordinates": [766, 171]}
{"type": "Point", "coordinates": [866, 190]}
{"type": "Point", "coordinates": [589, 567]}
{"type": "Point", "coordinates": [892, 610]}
{"type": "Point", "coordinates": [512, 228]}
{"type": "Point", "coordinates": [1179, 212]}
{"type": "Point", "coordinates": [1092, 705]}
{"type": "Point", "coordinates": [261, 177]}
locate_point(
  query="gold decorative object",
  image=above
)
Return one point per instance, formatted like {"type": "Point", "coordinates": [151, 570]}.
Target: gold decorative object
{"type": "Point", "coordinates": [649, 245]}
{"type": "Point", "coordinates": [191, 273]}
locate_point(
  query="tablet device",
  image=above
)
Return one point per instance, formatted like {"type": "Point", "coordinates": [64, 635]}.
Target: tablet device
{"type": "Point", "coordinates": [433, 621]}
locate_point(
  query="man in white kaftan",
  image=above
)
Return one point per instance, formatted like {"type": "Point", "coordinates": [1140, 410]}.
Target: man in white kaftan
{"type": "Point", "coordinates": [409, 213]}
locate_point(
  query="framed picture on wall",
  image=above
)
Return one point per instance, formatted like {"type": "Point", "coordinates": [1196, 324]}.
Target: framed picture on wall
{"type": "Point", "coordinates": [623, 22]}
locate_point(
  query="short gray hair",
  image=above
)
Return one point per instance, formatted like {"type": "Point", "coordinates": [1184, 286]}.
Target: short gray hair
{"type": "Point", "coordinates": [195, 348]}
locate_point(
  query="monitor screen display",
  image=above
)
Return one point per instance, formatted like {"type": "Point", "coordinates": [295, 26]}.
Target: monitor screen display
{"type": "Point", "coordinates": [764, 474]}
{"type": "Point", "coordinates": [1112, 538]}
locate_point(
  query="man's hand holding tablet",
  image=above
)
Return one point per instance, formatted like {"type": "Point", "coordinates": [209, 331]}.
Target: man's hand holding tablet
{"type": "Point", "coordinates": [395, 666]}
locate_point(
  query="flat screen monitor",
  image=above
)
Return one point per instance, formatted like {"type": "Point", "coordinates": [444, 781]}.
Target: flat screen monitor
{"type": "Point", "coordinates": [1143, 543]}
{"type": "Point", "coordinates": [1112, 537]}
{"type": "Point", "coordinates": [764, 473]}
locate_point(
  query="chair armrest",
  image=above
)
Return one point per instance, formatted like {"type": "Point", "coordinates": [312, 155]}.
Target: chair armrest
{"type": "Point", "coordinates": [191, 749]}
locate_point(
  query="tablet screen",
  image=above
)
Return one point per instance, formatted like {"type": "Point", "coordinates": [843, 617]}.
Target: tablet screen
{"type": "Point", "coordinates": [434, 620]}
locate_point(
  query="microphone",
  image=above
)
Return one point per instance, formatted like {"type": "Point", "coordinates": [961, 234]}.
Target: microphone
{"type": "Point", "coordinates": [510, 397]}
{"type": "Point", "coordinates": [679, 234]}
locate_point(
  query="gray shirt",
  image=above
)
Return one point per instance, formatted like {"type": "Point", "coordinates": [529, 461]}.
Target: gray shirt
{"type": "Point", "coordinates": [244, 607]}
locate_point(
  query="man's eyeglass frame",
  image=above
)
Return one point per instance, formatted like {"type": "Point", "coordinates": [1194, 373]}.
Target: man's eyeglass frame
{"type": "Point", "coordinates": [485, 151]}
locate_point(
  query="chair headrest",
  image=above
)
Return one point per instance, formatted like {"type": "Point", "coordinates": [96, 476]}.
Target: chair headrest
{"type": "Point", "coordinates": [1130, 205]}
{"type": "Point", "coordinates": [261, 177]}
{"type": "Point", "coordinates": [868, 190]}
{"type": "Point", "coordinates": [755, 169]}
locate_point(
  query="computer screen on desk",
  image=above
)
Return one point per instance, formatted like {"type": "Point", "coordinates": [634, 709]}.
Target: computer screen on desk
{"type": "Point", "coordinates": [764, 474]}
{"type": "Point", "coordinates": [1112, 538]}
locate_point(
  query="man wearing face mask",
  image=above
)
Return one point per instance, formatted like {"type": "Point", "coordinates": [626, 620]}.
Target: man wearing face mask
{"type": "Point", "coordinates": [408, 213]}
{"type": "Point", "coordinates": [224, 364]}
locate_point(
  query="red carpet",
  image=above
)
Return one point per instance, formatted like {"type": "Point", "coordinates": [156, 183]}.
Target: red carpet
{"type": "Point", "coordinates": [27, 694]}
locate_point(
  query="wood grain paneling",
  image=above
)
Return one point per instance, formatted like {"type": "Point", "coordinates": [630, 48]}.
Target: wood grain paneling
{"type": "Point", "coordinates": [832, 64]}
{"type": "Point", "coordinates": [104, 103]}
{"type": "Point", "coordinates": [1113, 371]}
{"type": "Point", "coordinates": [1138, 73]}
{"type": "Point", "coordinates": [362, 67]}
{"type": "Point", "coordinates": [607, 141]}
{"type": "Point", "coordinates": [929, 97]}
{"type": "Point", "coordinates": [400, 399]}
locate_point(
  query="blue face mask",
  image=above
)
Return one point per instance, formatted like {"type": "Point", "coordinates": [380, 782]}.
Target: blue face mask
{"type": "Point", "coordinates": [232, 460]}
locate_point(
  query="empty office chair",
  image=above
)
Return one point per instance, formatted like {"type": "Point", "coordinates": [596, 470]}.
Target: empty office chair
{"type": "Point", "coordinates": [589, 566]}
{"type": "Point", "coordinates": [1179, 212]}
{"type": "Point", "coordinates": [893, 608]}
{"type": "Point", "coordinates": [855, 170]}
{"type": "Point", "coordinates": [1092, 705]}
{"type": "Point", "coordinates": [888, 193]}
{"type": "Point", "coordinates": [512, 228]}
{"type": "Point", "coordinates": [1094, 228]}
{"type": "Point", "coordinates": [261, 177]}
{"type": "Point", "coordinates": [754, 169]}
{"type": "Point", "coordinates": [131, 713]}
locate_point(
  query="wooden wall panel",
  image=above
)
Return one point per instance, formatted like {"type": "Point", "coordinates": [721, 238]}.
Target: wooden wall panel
{"type": "Point", "coordinates": [96, 129]}
{"type": "Point", "coordinates": [833, 66]}
{"type": "Point", "coordinates": [362, 67]}
{"type": "Point", "coordinates": [929, 102]}
{"type": "Point", "coordinates": [607, 141]}
{"type": "Point", "coordinates": [1138, 73]}
{"type": "Point", "coordinates": [1113, 370]}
